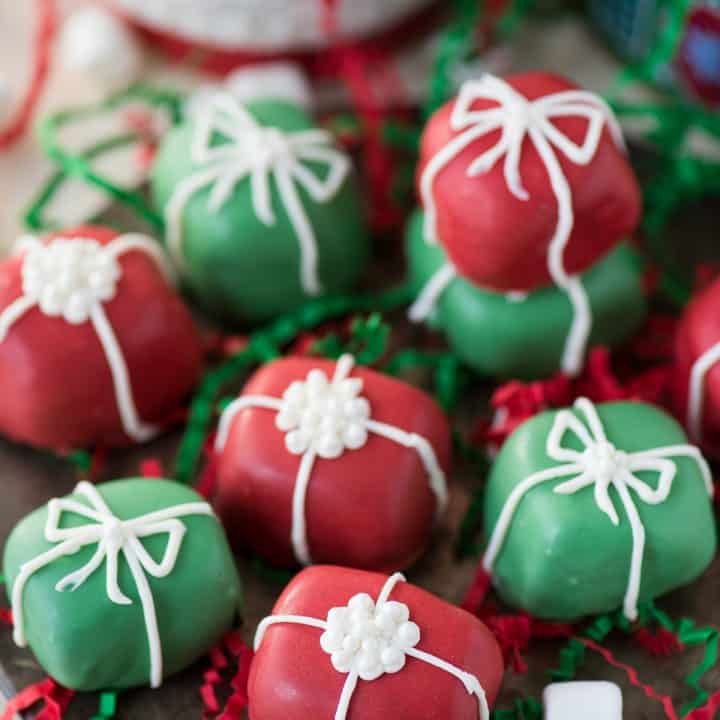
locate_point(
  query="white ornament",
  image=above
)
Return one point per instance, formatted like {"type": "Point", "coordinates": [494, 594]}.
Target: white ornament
{"type": "Point", "coordinates": [586, 700]}
{"type": "Point", "coordinates": [600, 466]}
{"type": "Point", "coordinates": [112, 537]}
{"type": "Point", "coordinates": [367, 639]}
{"type": "Point", "coordinates": [517, 118]}
{"type": "Point", "coordinates": [323, 418]}
{"type": "Point", "coordinates": [97, 43]}
{"type": "Point", "coordinates": [72, 279]}
{"type": "Point", "coordinates": [258, 154]}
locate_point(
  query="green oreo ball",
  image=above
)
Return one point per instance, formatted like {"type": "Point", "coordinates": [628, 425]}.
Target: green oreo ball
{"type": "Point", "coordinates": [524, 337]}
{"type": "Point", "coordinates": [594, 508]}
{"type": "Point", "coordinates": [121, 584]}
{"type": "Point", "coordinates": [262, 210]}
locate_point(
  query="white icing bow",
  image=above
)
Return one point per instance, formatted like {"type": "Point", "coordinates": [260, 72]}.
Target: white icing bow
{"type": "Point", "coordinates": [366, 640]}
{"type": "Point", "coordinates": [112, 537]}
{"type": "Point", "coordinates": [323, 418]}
{"type": "Point", "coordinates": [256, 152]}
{"type": "Point", "coordinates": [72, 279]}
{"type": "Point", "coordinates": [601, 465]}
{"type": "Point", "coordinates": [517, 118]}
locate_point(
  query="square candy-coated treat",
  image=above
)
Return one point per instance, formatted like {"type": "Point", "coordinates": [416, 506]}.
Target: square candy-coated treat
{"type": "Point", "coordinates": [372, 505]}
{"type": "Point", "coordinates": [81, 637]}
{"type": "Point", "coordinates": [586, 700]}
{"type": "Point", "coordinates": [295, 677]}
{"type": "Point", "coordinates": [616, 523]}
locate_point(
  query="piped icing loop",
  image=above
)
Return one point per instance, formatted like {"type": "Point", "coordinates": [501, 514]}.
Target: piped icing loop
{"type": "Point", "coordinates": [72, 279]}
{"type": "Point", "coordinates": [112, 537]}
{"type": "Point", "coordinates": [252, 151]}
{"type": "Point", "coordinates": [324, 418]}
{"type": "Point", "coordinates": [600, 465]}
{"type": "Point", "coordinates": [516, 118]}
{"type": "Point", "coordinates": [367, 639]}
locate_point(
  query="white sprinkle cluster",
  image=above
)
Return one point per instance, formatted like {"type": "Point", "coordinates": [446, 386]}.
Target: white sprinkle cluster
{"type": "Point", "coordinates": [66, 278]}
{"type": "Point", "coordinates": [327, 417]}
{"type": "Point", "coordinates": [367, 639]}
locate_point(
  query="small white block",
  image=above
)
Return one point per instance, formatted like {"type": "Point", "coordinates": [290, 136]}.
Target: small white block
{"type": "Point", "coordinates": [583, 701]}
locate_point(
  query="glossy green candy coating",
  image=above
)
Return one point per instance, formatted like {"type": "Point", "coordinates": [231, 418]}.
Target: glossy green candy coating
{"type": "Point", "coordinates": [562, 557]}
{"type": "Point", "coordinates": [240, 269]}
{"type": "Point", "coordinates": [524, 339]}
{"type": "Point", "coordinates": [87, 642]}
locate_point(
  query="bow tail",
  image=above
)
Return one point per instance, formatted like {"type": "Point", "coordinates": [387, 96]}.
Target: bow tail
{"type": "Point", "coordinates": [470, 682]}
{"type": "Point", "coordinates": [577, 339]}
{"type": "Point", "coordinates": [303, 231]}
{"type": "Point", "coordinates": [346, 696]}
{"type": "Point", "coordinates": [175, 209]}
{"type": "Point", "coordinates": [436, 165]}
{"type": "Point", "coordinates": [132, 425]}
{"type": "Point", "coordinates": [12, 313]}
{"type": "Point", "coordinates": [27, 570]}
{"type": "Point", "coordinates": [149, 615]}
{"type": "Point", "coordinates": [299, 526]}
{"type": "Point", "coordinates": [632, 592]}
{"type": "Point", "coordinates": [507, 514]}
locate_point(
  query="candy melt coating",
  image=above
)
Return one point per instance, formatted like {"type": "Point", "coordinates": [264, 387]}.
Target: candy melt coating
{"type": "Point", "coordinates": [55, 378]}
{"type": "Point", "coordinates": [523, 337]}
{"type": "Point", "coordinates": [373, 506]}
{"type": "Point", "coordinates": [229, 252]}
{"type": "Point", "coordinates": [563, 557]}
{"type": "Point", "coordinates": [293, 678]}
{"type": "Point", "coordinates": [87, 642]}
{"type": "Point", "coordinates": [500, 241]}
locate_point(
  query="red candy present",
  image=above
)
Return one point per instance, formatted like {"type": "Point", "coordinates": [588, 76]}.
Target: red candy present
{"type": "Point", "coordinates": [348, 645]}
{"type": "Point", "coordinates": [324, 462]}
{"type": "Point", "coordinates": [697, 368]}
{"type": "Point", "coordinates": [96, 346]}
{"type": "Point", "coordinates": [519, 174]}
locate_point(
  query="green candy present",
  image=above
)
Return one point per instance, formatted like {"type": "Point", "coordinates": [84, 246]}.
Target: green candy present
{"type": "Point", "coordinates": [521, 336]}
{"type": "Point", "coordinates": [262, 211]}
{"type": "Point", "coordinates": [120, 584]}
{"type": "Point", "coordinates": [597, 507]}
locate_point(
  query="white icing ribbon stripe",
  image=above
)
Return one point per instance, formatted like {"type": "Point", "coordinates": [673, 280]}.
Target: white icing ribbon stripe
{"type": "Point", "coordinates": [601, 465]}
{"type": "Point", "coordinates": [322, 419]}
{"type": "Point", "coordinates": [72, 279]}
{"type": "Point", "coordinates": [517, 117]}
{"type": "Point", "coordinates": [112, 537]}
{"type": "Point", "coordinates": [368, 639]}
{"type": "Point", "coordinates": [257, 153]}
{"type": "Point", "coordinates": [696, 391]}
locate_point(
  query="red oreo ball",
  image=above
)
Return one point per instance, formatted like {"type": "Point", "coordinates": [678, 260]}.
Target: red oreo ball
{"type": "Point", "coordinates": [697, 368]}
{"type": "Point", "coordinates": [322, 461]}
{"type": "Point", "coordinates": [492, 236]}
{"type": "Point", "coordinates": [382, 649]}
{"type": "Point", "coordinates": [96, 346]}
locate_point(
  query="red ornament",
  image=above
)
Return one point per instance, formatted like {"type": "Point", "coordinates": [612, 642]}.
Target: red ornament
{"type": "Point", "coordinates": [500, 241]}
{"type": "Point", "coordinates": [368, 504]}
{"type": "Point", "coordinates": [698, 332]}
{"type": "Point", "coordinates": [58, 387]}
{"type": "Point", "coordinates": [294, 678]}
